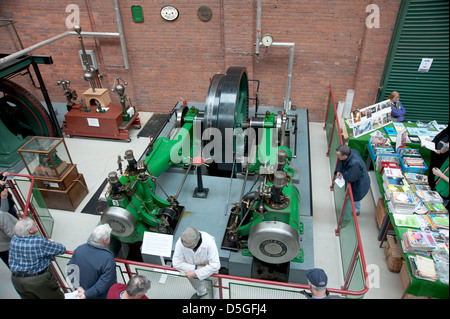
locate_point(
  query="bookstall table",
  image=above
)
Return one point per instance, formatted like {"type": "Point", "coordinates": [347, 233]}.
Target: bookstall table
{"type": "Point", "coordinates": [361, 143]}
{"type": "Point", "coordinates": [421, 287]}
{"type": "Point", "coordinates": [418, 287]}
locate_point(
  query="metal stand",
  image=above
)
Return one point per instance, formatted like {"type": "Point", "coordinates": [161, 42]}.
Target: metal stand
{"type": "Point", "coordinates": [199, 191]}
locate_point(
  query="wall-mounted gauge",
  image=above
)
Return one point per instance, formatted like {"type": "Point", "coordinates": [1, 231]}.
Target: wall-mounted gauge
{"type": "Point", "coordinates": [267, 40]}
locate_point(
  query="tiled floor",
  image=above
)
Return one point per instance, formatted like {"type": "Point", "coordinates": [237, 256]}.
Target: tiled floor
{"type": "Point", "coordinates": [96, 157]}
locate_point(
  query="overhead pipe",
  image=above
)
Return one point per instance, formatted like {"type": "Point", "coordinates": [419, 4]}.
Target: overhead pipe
{"type": "Point", "coordinates": [32, 48]}
{"type": "Point", "coordinates": [290, 45]}
{"type": "Point", "coordinates": [119, 35]}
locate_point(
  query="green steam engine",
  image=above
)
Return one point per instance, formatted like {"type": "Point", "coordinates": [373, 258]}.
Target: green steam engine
{"type": "Point", "coordinates": [220, 139]}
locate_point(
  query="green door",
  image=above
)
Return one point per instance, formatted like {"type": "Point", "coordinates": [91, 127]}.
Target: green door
{"type": "Point", "coordinates": [421, 32]}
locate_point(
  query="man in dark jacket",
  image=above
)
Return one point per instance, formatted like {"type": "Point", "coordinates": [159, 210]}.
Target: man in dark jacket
{"type": "Point", "coordinates": [92, 268]}
{"type": "Point", "coordinates": [352, 168]}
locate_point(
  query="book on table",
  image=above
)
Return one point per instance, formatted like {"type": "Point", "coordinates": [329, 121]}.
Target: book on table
{"type": "Point", "coordinates": [418, 241]}
{"type": "Point", "coordinates": [436, 208]}
{"type": "Point", "coordinates": [414, 178]}
{"type": "Point", "coordinates": [423, 268]}
{"type": "Point", "coordinates": [438, 220]}
{"type": "Point", "coordinates": [429, 196]}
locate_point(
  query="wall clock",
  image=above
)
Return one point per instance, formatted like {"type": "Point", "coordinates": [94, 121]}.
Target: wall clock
{"type": "Point", "coordinates": [169, 13]}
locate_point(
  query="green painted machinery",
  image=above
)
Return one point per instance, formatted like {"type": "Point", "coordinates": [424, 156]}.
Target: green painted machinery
{"type": "Point", "coordinates": [133, 206]}
{"type": "Point", "coordinates": [265, 222]}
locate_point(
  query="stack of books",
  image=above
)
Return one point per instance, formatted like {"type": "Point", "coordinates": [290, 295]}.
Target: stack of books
{"type": "Point", "coordinates": [416, 179]}
{"type": "Point", "coordinates": [438, 220]}
{"type": "Point", "coordinates": [429, 196]}
{"type": "Point", "coordinates": [387, 160]}
{"type": "Point", "coordinates": [423, 268]}
{"type": "Point", "coordinates": [418, 242]}
{"type": "Point", "coordinates": [436, 208]}
{"type": "Point", "coordinates": [420, 187]}
{"type": "Point", "coordinates": [381, 144]}
{"type": "Point", "coordinates": [403, 202]}
{"type": "Point", "coordinates": [411, 158]}
{"type": "Point", "coordinates": [394, 182]}
{"type": "Point", "coordinates": [389, 172]}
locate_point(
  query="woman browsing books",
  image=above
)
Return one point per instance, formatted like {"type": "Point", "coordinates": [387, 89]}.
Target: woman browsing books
{"type": "Point", "coordinates": [438, 157]}
{"type": "Point", "coordinates": [441, 182]}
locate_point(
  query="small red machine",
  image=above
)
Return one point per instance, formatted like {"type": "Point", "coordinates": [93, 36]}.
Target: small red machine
{"type": "Point", "coordinates": [97, 116]}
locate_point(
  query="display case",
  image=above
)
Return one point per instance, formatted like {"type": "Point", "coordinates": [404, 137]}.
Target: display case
{"type": "Point", "coordinates": [46, 157]}
{"type": "Point", "coordinates": [57, 178]}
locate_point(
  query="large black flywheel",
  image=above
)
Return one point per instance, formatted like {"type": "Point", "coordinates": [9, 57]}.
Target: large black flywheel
{"type": "Point", "coordinates": [22, 113]}
{"type": "Point", "coordinates": [226, 109]}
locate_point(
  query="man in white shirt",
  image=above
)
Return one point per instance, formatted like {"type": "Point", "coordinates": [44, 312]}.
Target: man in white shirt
{"type": "Point", "coordinates": [196, 255]}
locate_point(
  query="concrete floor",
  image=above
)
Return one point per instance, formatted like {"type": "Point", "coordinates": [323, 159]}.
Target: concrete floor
{"type": "Point", "coordinates": [96, 157]}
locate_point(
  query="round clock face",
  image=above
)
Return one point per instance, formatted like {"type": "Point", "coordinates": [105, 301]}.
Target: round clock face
{"type": "Point", "coordinates": [169, 13]}
{"type": "Point", "coordinates": [267, 40]}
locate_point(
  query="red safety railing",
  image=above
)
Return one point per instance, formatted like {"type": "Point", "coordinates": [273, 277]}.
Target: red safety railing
{"type": "Point", "coordinates": [27, 208]}
{"type": "Point", "coordinates": [335, 121]}
{"type": "Point", "coordinates": [358, 248]}
{"type": "Point", "coordinates": [221, 278]}
{"type": "Point", "coordinates": [27, 205]}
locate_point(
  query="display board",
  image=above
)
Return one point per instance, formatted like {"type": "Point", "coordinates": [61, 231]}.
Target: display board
{"type": "Point", "coordinates": [370, 118]}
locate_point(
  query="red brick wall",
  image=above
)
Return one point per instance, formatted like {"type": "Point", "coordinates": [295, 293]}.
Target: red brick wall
{"type": "Point", "coordinates": [170, 61]}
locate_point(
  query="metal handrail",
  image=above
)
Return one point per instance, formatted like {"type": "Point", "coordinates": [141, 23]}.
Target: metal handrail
{"type": "Point", "coordinates": [27, 206]}
{"type": "Point", "coordinates": [359, 248]}
{"type": "Point", "coordinates": [221, 277]}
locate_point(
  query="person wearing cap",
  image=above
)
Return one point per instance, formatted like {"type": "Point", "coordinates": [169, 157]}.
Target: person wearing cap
{"type": "Point", "coordinates": [317, 281]}
{"type": "Point", "coordinates": [196, 255]}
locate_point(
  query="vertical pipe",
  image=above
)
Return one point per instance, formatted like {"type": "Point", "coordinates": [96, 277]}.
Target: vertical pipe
{"type": "Point", "coordinates": [328, 109]}
{"type": "Point", "coordinates": [222, 29]}
{"type": "Point", "coordinates": [258, 27]}
{"type": "Point", "coordinates": [288, 90]}
{"type": "Point", "coordinates": [122, 39]}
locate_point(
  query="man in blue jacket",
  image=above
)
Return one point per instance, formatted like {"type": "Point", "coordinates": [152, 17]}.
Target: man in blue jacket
{"type": "Point", "coordinates": [92, 268]}
{"type": "Point", "coordinates": [352, 168]}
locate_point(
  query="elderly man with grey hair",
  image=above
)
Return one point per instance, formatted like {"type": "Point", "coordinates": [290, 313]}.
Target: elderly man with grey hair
{"type": "Point", "coordinates": [29, 260]}
{"type": "Point", "coordinates": [92, 268]}
{"type": "Point", "coordinates": [136, 288]}
{"type": "Point", "coordinates": [196, 255]}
